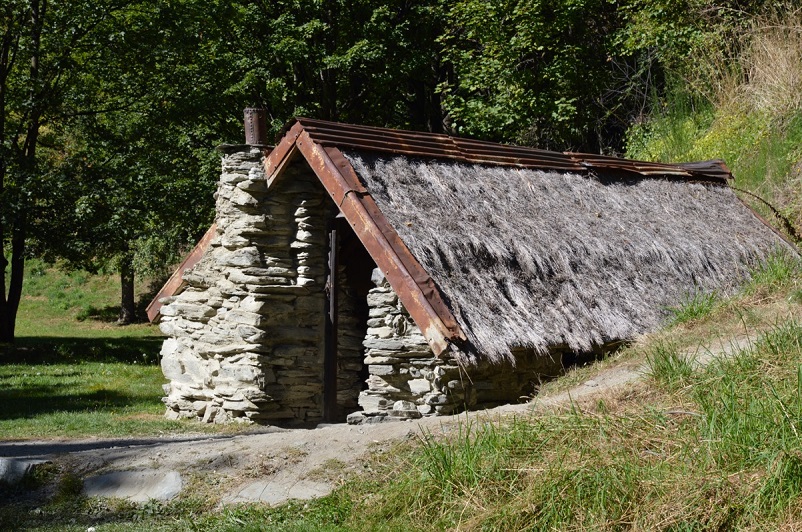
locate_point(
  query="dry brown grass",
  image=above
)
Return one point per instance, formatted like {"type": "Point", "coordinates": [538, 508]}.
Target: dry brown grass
{"type": "Point", "coordinates": [772, 64]}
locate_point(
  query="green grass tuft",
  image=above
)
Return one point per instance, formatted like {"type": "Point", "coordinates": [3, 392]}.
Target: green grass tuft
{"type": "Point", "coordinates": [774, 273]}
{"type": "Point", "coordinates": [694, 307]}
{"type": "Point", "coordinates": [668, 366]}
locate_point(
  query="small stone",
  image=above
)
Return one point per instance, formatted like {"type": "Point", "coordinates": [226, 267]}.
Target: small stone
{"type": "Point", "coordinates": [380, 299]}
{"type": "Point", "coordinates": [405, 414]}
{"type": "Point", "coordinates": [404, 405]}
{"type": "Point", "coordinates": [381, 369]}
{"type": "Point", "coordinates": [245, 318]}
{"type": "Point", "coordinates": [370, 360]}
{"type": "Point", "coordinates": [419, 386]}
{"type": "Point", "coordinates": [355, 418]}
{"type": "Point", "coordinates": [436, 399]}
{"type": "Point", "coordinates": [377, 276]}
{"type": "Point", "coordinates": [372, 403]}
{"type": "Point", "coordinates": [381, 332]}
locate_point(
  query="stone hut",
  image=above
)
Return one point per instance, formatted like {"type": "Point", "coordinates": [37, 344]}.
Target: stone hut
{"type": "Point", "coordinates": [375, 274]}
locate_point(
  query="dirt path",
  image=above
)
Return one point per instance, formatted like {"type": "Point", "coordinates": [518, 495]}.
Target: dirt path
{"type": "Point", "coordinates": [274, 465]}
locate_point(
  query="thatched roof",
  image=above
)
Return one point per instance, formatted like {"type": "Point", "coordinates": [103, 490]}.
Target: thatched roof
{"type": "Point", "coordinates": [530, 258]}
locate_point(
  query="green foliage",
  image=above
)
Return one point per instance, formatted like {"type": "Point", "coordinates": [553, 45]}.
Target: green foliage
{"type": "Point", "coordinates": [694, 307]}
{"type": "Point", "coordinates": [733, 96]}
{"type": "Point", "coordinates": [668, 366]}
{"type": "Point", "coordinates": [361, 62]}
{"type": "Point", "coordinates": [774, 273]}
{"type": "Point", "coordinates": [527, 70]}
{"type": "Point", "coordinates": [674, 127]}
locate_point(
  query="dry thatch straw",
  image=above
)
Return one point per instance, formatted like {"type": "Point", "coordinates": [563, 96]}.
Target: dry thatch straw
{"type": "Point", "coordinates": [537, 259]}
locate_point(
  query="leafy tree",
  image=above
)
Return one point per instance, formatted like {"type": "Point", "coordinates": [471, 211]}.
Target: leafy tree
{"type": "Point", "coordinates": [41, 47]}
{"type": "Point", "coordinates": [351, 60]}
{"type": "Point", "coordinates": [173, 80]}
{"type": "Point", "coordinates": [136, 180]}
{"type": "Point", "coordinates": [530, 71]}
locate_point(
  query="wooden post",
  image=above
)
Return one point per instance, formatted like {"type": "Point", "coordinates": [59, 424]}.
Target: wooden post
{"type": "Point", "coordinates": [330, 355]}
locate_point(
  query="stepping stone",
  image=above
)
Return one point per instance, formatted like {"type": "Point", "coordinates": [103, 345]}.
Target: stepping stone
{"type": "Point", "coordinates": [275, 493]}
{"type": "Point", "coordinates": [12, 471]}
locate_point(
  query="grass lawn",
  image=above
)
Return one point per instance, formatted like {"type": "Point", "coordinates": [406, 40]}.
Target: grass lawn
{"type": "Point", "coordinates": [73, 372]}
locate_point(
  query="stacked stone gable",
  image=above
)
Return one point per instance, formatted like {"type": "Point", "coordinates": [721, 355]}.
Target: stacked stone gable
{"type": "Point", "coordinates": [246, 334]}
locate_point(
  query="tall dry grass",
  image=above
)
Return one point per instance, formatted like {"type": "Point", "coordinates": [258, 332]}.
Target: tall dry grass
{"type": "Point", "coordinates": [754, 65]}
{"type": "Point", "coordinates": [772, 64]}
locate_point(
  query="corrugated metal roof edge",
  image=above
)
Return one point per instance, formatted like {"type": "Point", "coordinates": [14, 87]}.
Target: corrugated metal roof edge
{"type": "Point", "coordinates": [435, 145]}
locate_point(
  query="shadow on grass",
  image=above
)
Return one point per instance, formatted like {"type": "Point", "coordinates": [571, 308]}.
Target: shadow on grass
{"type": "Point", "coordinates": [67, 350]}
{"type": "Point", "coordinates": [111, 313]}
{"type": "Point", "coordinates": [31, 401]}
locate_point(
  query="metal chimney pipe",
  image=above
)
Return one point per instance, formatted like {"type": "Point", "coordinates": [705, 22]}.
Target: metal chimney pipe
{"type": "Point", "coordinates": [255, 126]}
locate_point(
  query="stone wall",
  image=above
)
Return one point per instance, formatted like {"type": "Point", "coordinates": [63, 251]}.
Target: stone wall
{"type": "Point", "coordinates": [407, 381]}
{"type": "Point", "coordinates": [246, 337]}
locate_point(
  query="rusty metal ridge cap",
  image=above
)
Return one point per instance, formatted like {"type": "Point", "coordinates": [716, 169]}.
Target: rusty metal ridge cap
{"type": "Point", "coordinates": [472, 151]}
{"type": "Point", "coordinates": [277, 160]}
{"type": "Point", "coordinates": [714, 169]}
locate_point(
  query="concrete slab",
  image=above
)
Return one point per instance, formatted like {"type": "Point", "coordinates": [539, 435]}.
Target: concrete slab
{"type": "Point", "coordinates": [136, 486]}
{"type": "Point", "coordinates": [274, 493]}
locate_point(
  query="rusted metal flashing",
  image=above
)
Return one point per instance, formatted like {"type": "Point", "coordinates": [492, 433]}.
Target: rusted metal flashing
{"type": "Point", "coordinates": [417, 144]}
{"type": "Point", "coordinates": [432, 145]}
{"type": "Point", "coordinates": [411, 282]}
{"type": "Point", "coordinates": [175, 283]}
{"type": "Point", "coordinates": [282, 155]}
{"type": "Point", "coordinates": [714, 170]}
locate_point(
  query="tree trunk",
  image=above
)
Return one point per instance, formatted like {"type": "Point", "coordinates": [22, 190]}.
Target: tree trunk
{"type": "Point", "coordinates": [17, 225]}
{"type": "Point", "coordinates": [127, 302]}
{"type": "Point", "coordinates": [7, 319]}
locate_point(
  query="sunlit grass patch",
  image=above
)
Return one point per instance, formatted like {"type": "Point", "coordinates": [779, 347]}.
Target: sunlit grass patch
{"type": "Point", "coordinates": [667, 365]}
{"type": "Point", "coordinates": [81, 399]}
{"type": "Point", "coordinates": [694, 307]}
{"type": "Point", "coordinates": [66, 377]}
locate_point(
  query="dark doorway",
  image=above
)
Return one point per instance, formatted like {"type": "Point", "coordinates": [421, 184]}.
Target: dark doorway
{"type": "Point", "coordinates": [348, 282]}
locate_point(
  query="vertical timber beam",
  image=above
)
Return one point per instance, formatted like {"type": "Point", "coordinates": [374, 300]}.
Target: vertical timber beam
{"type": "Point", "coordinates": [332, 322]}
